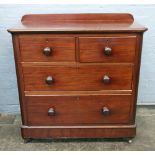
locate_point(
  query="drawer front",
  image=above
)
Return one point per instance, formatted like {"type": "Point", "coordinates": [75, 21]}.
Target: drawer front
{"type": "Point", "coordinates": [87, 77]}
{"type": "Point", "coordinates": [43, 48]}
{"type": "Point", "coordinates": [92, 109]}
{"type": "Point", "coordinates": [107, 49]}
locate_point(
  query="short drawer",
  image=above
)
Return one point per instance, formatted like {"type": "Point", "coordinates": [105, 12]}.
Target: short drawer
{"type": "Point", "coordinates": [65, 110]}
{"type": "Point", "coordinates": [107, 49]}
{"type": "Point", "coordinates": [82, 77]}
{"type": "Point", "coordinates": [46, 48]}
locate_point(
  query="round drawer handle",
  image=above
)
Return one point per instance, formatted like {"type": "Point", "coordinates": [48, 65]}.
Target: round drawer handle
{"type": "Point", "coordinates": [51, 112]}
{"type": "Point", "coordinates": [49, 80]}
{"type": "Point", "coordinates": [47, 51]}
{"type": "Point", "coordinates": [106, 79]}
{"type": "Point", "coordinates": [105, 111]}
{"type": "Point", "coordinates": [107, 51]}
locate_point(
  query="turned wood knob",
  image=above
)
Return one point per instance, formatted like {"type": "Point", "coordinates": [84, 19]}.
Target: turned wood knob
{"type": "Point", "coordinates": [105, 111]}
{"type": "Point", "coordinates": [47, 51]}
{"type": "Point", "coordinates": [106, 79]}
{"type": "Point", "coordinates": [49, 80]}
{"type": "Point", "coordinates": [51, 112]}
{"type": "Point", "coordinates": [107, 51]}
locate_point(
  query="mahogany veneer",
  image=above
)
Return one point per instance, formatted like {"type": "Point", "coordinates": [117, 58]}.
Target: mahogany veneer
{"type": "Point", "coordinates": [78, 74]}
{"type": "Point", "coordinates": [85, 77]}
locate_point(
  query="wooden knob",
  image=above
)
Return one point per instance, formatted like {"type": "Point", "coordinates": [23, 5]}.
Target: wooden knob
{"type": "Point", "coordinates": [105, 111]}
{"type": "Point", "coordinates": [51, 112]}
{"type": "Point", "coordinates": [47, 51]}
{"type": "Point", "coordinates": [106, 79]}
{"type": "Point", "coordinates": [49, 80]}
{"type": "Point", "coordinates": [107, 51]}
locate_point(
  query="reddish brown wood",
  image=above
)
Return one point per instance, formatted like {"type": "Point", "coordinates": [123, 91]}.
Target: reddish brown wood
{"type": "Point", "coordinates": [78, 23]}
{"type": "Point", "coordinates": [136, 71]}
{"type": "Point", "coordinates": [123, 49]}
{"type": "Point", "coordinates": [79, 131]}
{"type": "Point", "coordinates": [79, 103]}
{"type": "Point", "coordinates": [20, 81]}
{"type": "Point", "coordinates": [78, 110]}
{"type": "Point", "coordinates": [81, 93]}
{"type": "Point", "coordinates": [62, 48]}
{"type": "Point", "coordinates": [50, 18]}
{"type": "Point", "coordinates": [78, 77]}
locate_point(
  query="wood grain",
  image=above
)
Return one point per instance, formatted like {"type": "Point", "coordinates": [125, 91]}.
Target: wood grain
{"type": "Point", "coordinates": [78, 23]}
{"type": "Point", "coordinates": [78, 77]}
{"type": "Point", "coordinates": [78, 110]}
{"type": "Point", "coordinates": [79, 131]}
{"type": "Point", "coordinates": [123, 49]}
{"type": "Point", "coordinates": [50, 18]}
{"type": "Point", "coordinates": [80, 93]}
{"type": "Point", "coordinates": [62, 48]}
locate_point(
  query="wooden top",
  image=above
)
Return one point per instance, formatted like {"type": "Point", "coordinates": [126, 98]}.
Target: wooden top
{"type": "Point", "coordinates": [82, 23]}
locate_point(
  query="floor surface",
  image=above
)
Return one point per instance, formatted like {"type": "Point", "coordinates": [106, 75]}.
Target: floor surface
{"type": "Point", "coordinates": [10, 138]}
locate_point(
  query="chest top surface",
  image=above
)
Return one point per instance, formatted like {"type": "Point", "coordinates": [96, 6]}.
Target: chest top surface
{"type": "Point", "coordinates": [78, 23]}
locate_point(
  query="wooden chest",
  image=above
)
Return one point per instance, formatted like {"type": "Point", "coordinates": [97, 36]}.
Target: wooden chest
{"type": "Point", "coordinates": [78, 74]}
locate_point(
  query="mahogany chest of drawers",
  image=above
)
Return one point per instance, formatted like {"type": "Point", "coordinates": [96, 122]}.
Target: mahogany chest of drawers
{"type": "Point", "coordinates": [78, 74]}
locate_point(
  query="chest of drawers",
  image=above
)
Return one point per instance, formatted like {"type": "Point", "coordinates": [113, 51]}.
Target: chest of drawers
{"type": "Point", "coordinates": [78, 74]}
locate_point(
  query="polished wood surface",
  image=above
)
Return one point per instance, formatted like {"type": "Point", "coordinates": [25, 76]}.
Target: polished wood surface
{"type": "Point", "coordinates": [32, 46]}
{"type": "Point", "coordinates": [78, 23]}
{"type": "Point", "coordinates": [79, 93]}
{"type": "Point", "coordinates": [78, 77]}
{"type": "Point", "coordinates": [122, 49]}
{"type": "Point", "coordinates": [50, 18]}
{"type": "Point", "coordinates": [78, 74]}
{"type": "Point", "coordinates": [78, 110]}
{"type": "Point", "coordinates": [78, 131]}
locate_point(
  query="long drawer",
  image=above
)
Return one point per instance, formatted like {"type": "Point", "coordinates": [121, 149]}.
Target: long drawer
{"type": "Point", "coordinates": [107, 49]}
{"type": "Point", "coordinates": [82, 77]}
{"type": "Point", "coordinates": [85, 109]}
{"type": "Point", "coordinates": [45, 48]}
